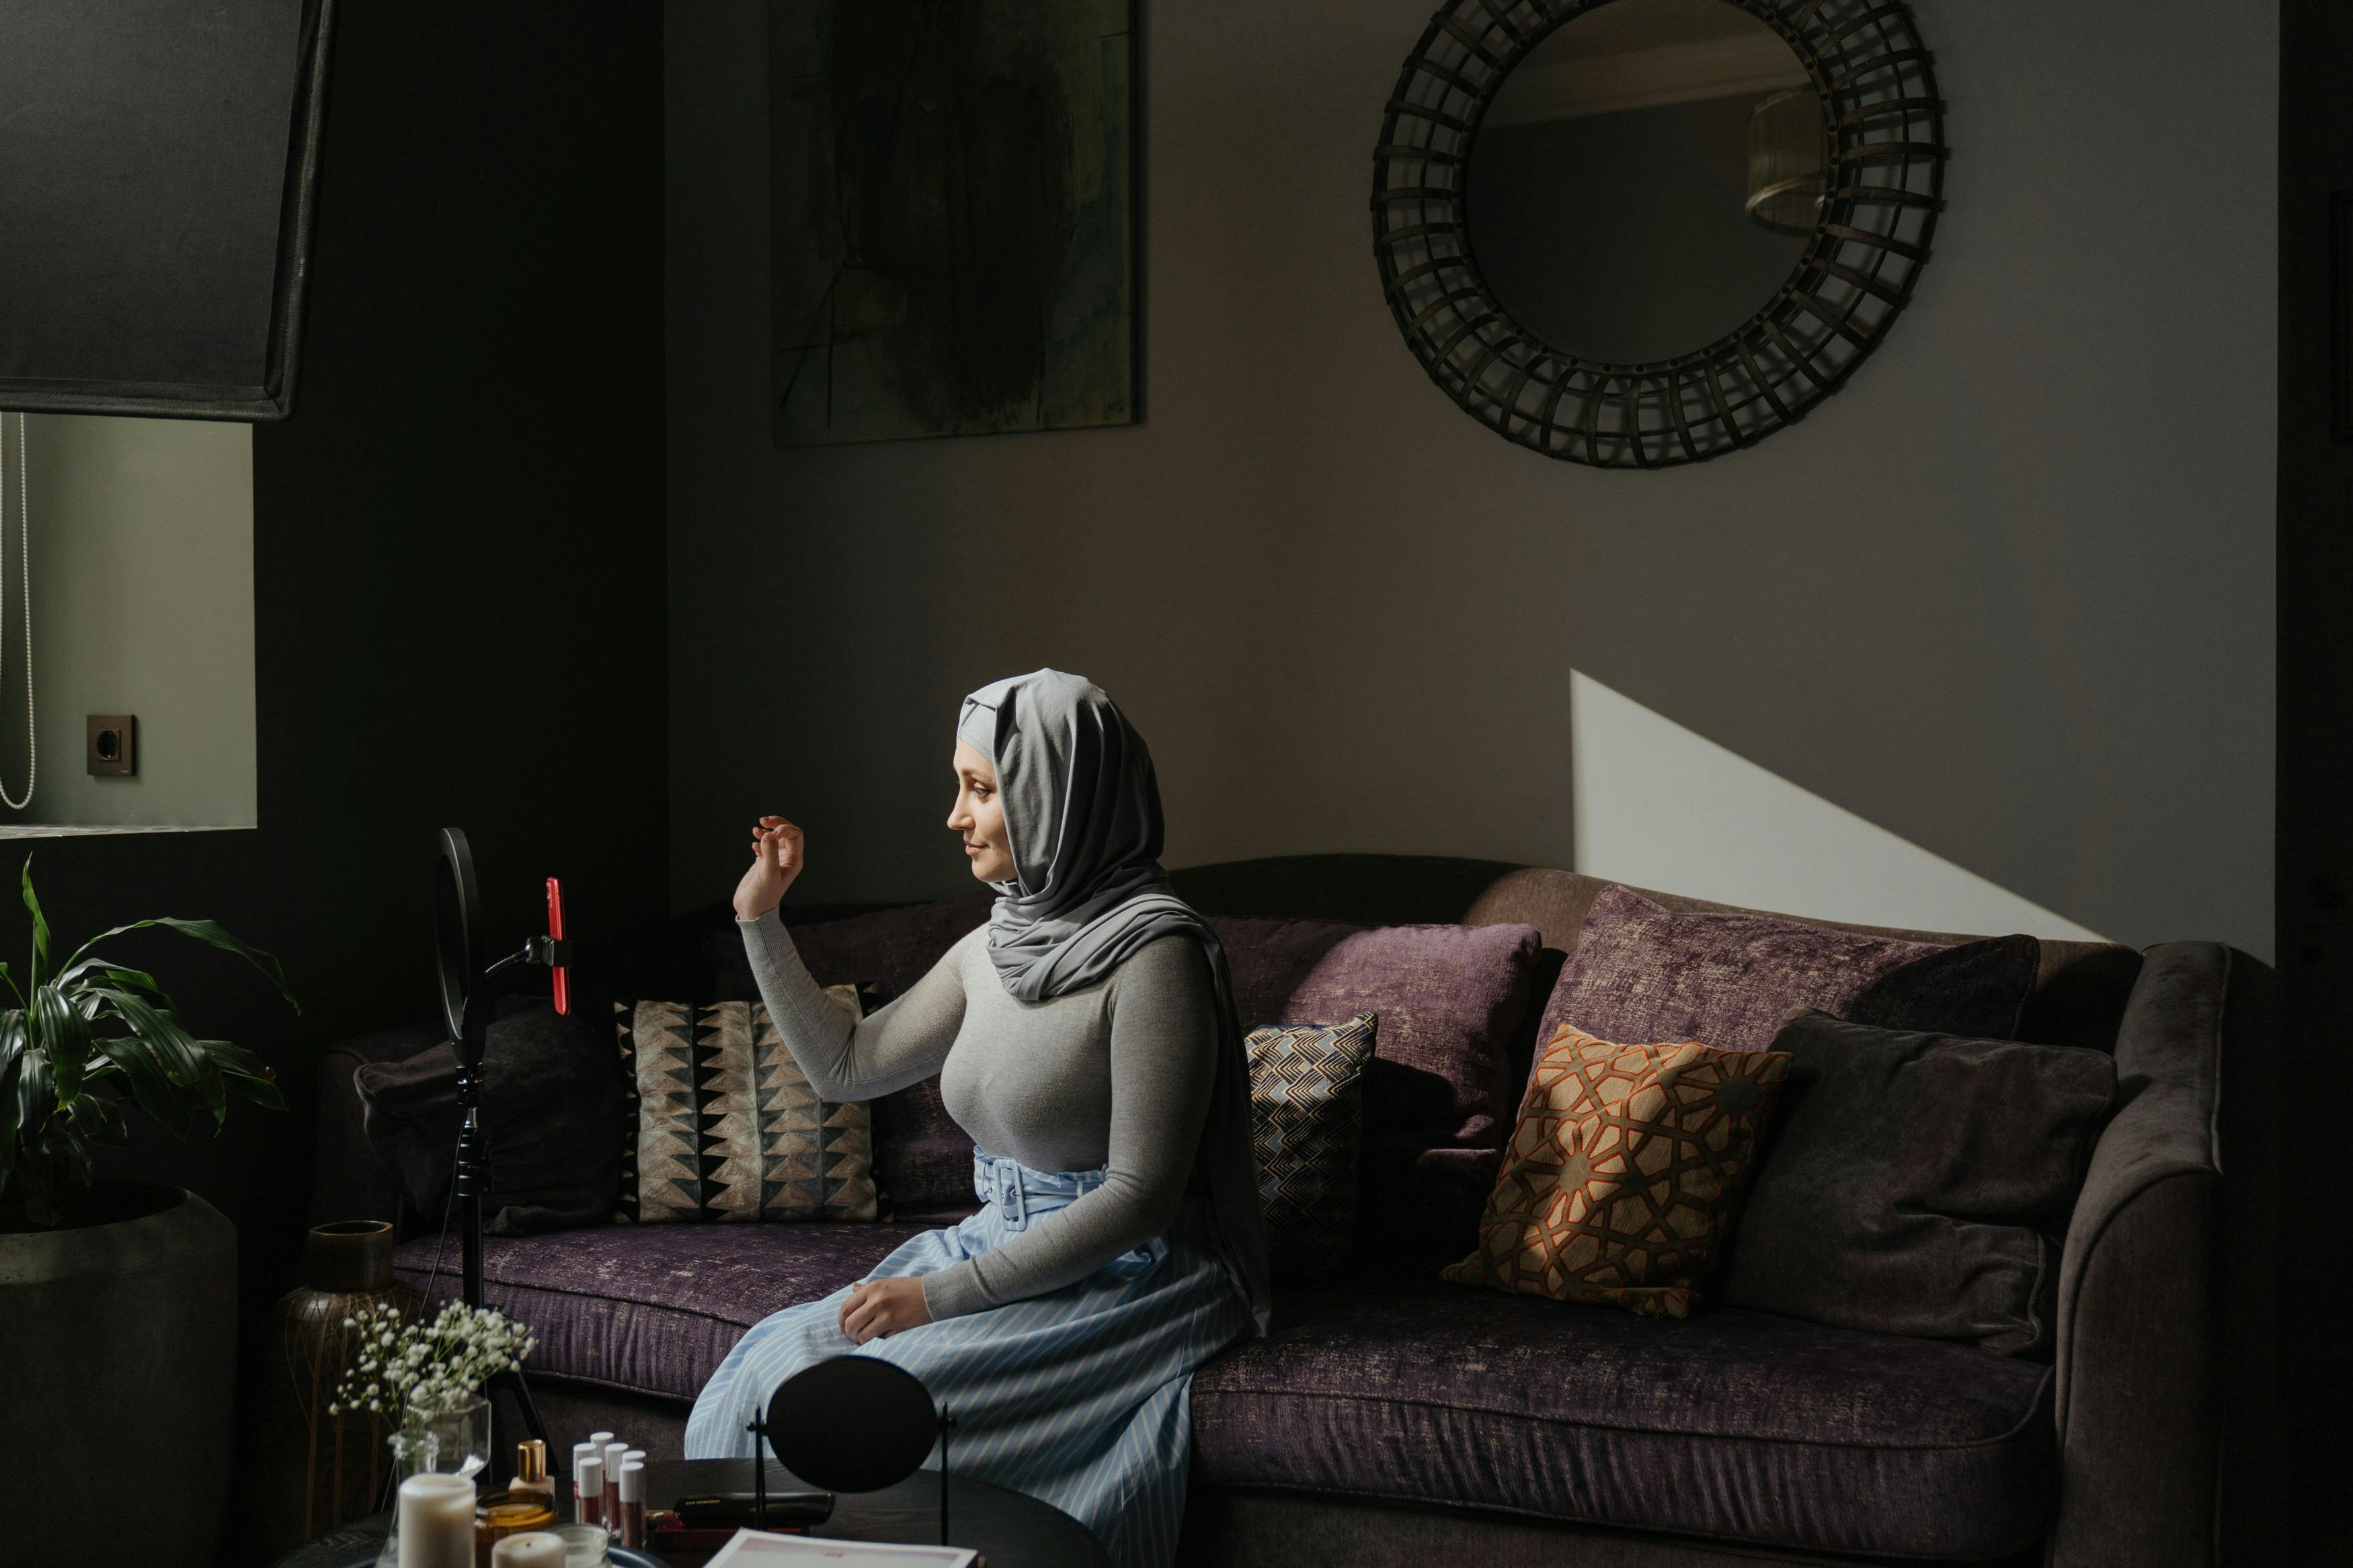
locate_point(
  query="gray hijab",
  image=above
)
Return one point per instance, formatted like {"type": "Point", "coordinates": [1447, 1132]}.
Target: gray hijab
{"type": "Point", "coordinates": [1082, 820]}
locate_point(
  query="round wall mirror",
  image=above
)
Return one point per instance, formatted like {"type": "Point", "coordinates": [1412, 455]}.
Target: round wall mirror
{"type": "Point", "coordinates": [1634, 233]}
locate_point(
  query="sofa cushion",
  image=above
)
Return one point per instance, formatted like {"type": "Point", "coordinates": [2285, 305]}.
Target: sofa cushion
{"type": "Point", "coordinates": [549, 1091]}
{"type": "Point", "coordinates": [1735, 1424]}
{"type": "Point", "coordinates": [653, 1308]}
{"type": "Point", "coordinates": [721, 1123]}
{"type": "Point", "coordinates": [1307, 1132]}
{"type": "Point", "coordinates": [1912, 1182]}
{"type": "Point", "coordinates": [1624, 1172]}
{"type": "Point", "coordinates": [1441, 1092]}
{"type": "Point", "coordinates": [1642, 971]}
{"type": "Point", "coordinates": [923, 1161]}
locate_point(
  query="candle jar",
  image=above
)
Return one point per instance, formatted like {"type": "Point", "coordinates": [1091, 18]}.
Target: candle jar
{"type": "Point", "coordinates": [413, 1454]}
{"type": "Point", "coordinates": [436, 1517]}
{"type": "Point", "coordinates": [532, 1548]}
{"type": "Point", "coordinates": [585, 1545]}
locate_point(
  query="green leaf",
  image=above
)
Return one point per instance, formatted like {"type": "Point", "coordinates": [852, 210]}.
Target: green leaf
{"type": "Point", "coordinates": [151, 1088]}
{"type": "Point", "coordinates": [12, 1057]}
{"type": "Point", "coordinates": [101, 1118]}
{"type": "Point", "coordinates": [69, 1150]}
{"type": "Point", "coordinates": [174, 1047]}
{"type": "Point", "coordinates": [137, 980]}
{"type": "Point", "coordinates": [36, 1098]}
{"type": "Point", "coordinates": [11, 979]}
{"type": "Point", "coordinates": [61, 1032]}
{"type": "Point", "coordinates": [244, 1073]}
{"type": "Point", "coordinates": [40, 927]}
{"type": "Point", "coordinates": [263, 1091]}
{"type": "Point", "coordinates": [34, 1101]}
{"type": "Point", "coordinates": [206, 931]}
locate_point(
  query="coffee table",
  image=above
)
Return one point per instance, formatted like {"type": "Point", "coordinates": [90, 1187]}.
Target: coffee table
{"type": "Point", "coordinates": [1010, 1529]}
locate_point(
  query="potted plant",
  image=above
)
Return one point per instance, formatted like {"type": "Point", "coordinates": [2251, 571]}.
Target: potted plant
{"type": "Point", "coordinates": [118, 1300]}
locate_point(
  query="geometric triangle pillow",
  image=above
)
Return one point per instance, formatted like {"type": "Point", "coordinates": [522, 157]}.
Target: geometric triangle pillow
{"type": "Point", "coordinates": [721, 1125]}
{"type": "Point", "coordinates": [1622, 1178]}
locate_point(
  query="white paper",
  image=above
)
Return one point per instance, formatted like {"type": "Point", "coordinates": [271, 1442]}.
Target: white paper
{"type": "Point", "coordinates": [761, 1549]}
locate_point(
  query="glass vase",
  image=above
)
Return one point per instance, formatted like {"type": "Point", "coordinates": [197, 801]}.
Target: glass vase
{"type": "Point", "coordinates": [463, 1433]}
{"type": "Point", "coordinates": [414, 1452]}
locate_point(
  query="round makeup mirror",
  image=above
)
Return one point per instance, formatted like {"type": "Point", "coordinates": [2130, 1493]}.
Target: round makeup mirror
{"type": "Point", "coordinates": [852, 1423]}
{"type": "Point", "coordinates": [1634, 233]}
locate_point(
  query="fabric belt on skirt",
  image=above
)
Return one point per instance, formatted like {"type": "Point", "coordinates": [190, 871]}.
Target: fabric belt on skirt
{"type": "Point", "coordinates": [1020, 1192]}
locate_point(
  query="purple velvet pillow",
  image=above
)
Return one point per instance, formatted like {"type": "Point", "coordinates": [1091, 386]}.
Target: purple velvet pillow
{"type": "Point", "coordinates": [1642, 972]}
{"type": "Point", "coordinates": [1441, 1094]}
{"type": "Point", "coordinates": [923, 1161]}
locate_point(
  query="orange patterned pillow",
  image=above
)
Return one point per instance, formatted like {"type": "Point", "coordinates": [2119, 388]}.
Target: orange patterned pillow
{"type": "Point", "coordinates": [1621, 1179]}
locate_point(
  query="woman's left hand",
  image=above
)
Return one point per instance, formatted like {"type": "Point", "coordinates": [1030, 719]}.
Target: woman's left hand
{"type": "Point", "coordinates": [877, 1308]}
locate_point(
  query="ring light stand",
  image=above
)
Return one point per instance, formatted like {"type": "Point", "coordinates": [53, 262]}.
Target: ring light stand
{"type": "Point", "coordinates": [467, 1000]}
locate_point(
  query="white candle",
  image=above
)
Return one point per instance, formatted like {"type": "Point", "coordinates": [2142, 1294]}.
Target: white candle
{"type": "Point", "coordinates": [436, 1522]}
{"type": "Point", "coordinates": [532, 1548]}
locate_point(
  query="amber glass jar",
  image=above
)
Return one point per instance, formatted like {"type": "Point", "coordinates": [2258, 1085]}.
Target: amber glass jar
{"type": "Point", "coordinates": [502, 1514]}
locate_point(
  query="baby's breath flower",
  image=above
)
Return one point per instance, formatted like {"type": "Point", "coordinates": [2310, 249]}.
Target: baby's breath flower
{"type": "Point", "coordinates": [423, 1369]}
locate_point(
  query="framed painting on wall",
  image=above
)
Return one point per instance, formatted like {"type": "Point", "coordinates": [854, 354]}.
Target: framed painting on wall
{"type": "Point", "coordinates": [952, 200]}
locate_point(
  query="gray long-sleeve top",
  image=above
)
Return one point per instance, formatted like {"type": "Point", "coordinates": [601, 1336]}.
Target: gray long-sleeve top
{"type": "Point", "coordinates": [1117, 1074]}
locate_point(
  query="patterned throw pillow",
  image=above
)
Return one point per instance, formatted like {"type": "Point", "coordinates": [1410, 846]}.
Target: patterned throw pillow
{"type": "Point", "coordinates": [1307, 1122]}
{"type": "Point", "coordinates": [1621, 1180]}
{"type": "Point", "coordinates": [723, 1126]}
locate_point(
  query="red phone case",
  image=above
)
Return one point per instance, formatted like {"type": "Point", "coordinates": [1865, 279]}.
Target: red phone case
{"type": "Point", "coordinates": [555, 932]}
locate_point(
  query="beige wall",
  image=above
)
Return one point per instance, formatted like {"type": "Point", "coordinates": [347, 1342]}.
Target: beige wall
{"type": "Point", "coordinates": [2009, 597]}
{"type": "Point", "coordinates": [143, 603]}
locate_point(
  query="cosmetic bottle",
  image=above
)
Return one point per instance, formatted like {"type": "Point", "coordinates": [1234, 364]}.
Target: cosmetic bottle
{"type": "Point", "coordinates": [634, 1457]}
{"type": "Point", "coordinates": [588, 1490]}
{"type": "Point", "coordinates": [612, 1452]}
{"type": "Point", "coordinates": [531, 1471]}
{"type": "Point", "coordinates": [633, 1503]}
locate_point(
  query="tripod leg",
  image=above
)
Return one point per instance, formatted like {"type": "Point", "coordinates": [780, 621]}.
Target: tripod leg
{"type": "Point", "coordinates": [948, 1424]}
{"type": "Point", "coordinates": [514, 1382]}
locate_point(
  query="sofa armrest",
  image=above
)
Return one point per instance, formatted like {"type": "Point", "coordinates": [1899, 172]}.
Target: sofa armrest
{"type": "Point", "coordinates": [350, 1182]}
{"type": "Point", "coordinates": [2140, 1285]}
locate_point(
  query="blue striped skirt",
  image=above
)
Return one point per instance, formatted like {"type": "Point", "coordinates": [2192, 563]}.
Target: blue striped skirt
{"type": "Point", "coordinates": [1080, 1397]}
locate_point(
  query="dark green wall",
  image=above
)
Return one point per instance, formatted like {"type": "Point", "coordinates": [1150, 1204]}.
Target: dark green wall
{"type": "Point", "coordinates": [458, 561]}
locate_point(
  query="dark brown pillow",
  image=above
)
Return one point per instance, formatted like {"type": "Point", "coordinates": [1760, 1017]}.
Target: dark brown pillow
{"type": "Point", "coordinates": [549, 1087]}
{"type": "Point", "coordinates": [1913, 1183]}
{"type": "Point", "coordinates": [1642, 971]}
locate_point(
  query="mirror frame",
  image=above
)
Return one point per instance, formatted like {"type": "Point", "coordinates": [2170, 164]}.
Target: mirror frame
{"type": "Point", "coordinates": [1884, 122]}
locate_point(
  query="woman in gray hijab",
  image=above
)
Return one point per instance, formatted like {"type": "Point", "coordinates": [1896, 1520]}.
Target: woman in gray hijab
{"type": "Point", "coordinates": [1085, 1038]}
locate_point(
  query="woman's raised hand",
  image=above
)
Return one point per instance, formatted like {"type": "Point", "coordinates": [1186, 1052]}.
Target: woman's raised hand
{"type": "Point", "coordinates": [776, 860]}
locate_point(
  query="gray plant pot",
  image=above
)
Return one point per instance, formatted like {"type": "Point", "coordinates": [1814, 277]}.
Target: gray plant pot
{"type": "Point", "coordinates": [117, 1363]}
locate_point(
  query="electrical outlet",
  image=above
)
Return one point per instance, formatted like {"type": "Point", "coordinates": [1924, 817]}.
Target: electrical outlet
{"type": "Point", "coordinates": [114, 745]}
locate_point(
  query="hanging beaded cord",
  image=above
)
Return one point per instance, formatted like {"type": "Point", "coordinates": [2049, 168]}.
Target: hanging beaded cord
{"type": "Point", "coordinates": [25, 545]}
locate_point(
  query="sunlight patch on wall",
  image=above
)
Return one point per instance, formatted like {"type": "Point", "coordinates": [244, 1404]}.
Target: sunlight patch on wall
{"type": "Point", "coordinates": [1658, 806]}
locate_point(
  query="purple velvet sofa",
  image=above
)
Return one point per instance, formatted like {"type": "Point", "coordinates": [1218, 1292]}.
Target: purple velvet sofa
{"type": "Point", "coordinates": [1397, 1419]}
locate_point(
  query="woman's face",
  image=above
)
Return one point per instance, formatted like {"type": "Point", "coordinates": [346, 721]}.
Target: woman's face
{"type": "Point", "coordinates": [978, 817]}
